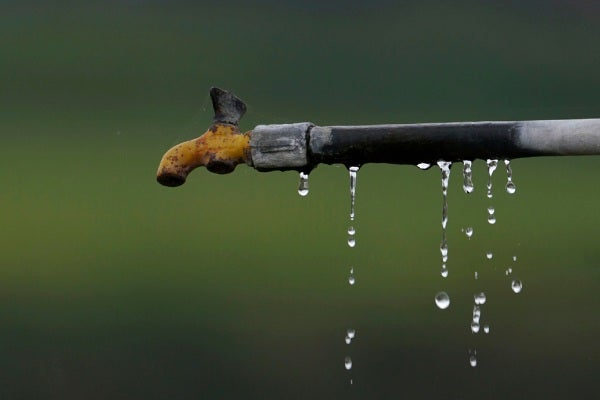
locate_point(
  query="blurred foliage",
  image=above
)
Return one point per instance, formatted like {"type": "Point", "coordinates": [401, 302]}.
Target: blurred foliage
{"type": "Point", "coordinates": [235, 287]}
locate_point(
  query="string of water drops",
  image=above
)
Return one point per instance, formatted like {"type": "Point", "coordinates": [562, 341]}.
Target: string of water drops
{"type": "Point", "coordinates": [350, 333]}
{"type": "Point", "coordinates": [303, 186]}
{"type": "Point", "coordinates": [445, 169]}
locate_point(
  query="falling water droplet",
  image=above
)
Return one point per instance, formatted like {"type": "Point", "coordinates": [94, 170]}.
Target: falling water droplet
{"type": "Point", "coordinates": [467, 176]}
{"type": "Point", "coordinates": [475, 327]}
{"type": "Point", "coordinates": [508, 271]}
{"type": "Point", "coordinates": [442, 300]}
{"type": "Point", "coordinates": [486, 328]}
{"type": "Point", "coordinates": [476, 313]}
{"type": "Point", "coordinates": [353, 174]}
{"type": "Point", "coordinates": [444, 272]}
{"type": "Point", "coordinates": [492, 165]}
{"type": "Point", "coordinates": [351, 333]}
{"type": "Point", "coordinates": [348, 363]}
{"type": "Point", "coordinates": [424, 165]}
{"type": "Point", "coordinates": [473, 360]}
{"type": "Point", "coordinates": [476, 275]}
{"type": "Point", "coordinates": [469, 232]}
{"type": "Point", "coordinates": [489, 255]}
{"type": "Point", "coordinates": [303, 187]}
{"type": "Point", "coordinates": [491, 215]}
{"type": "Point", "coordinates": [510, 186]}
{"type": "Point", "coordinates": [480, 298]}
{"type": "Point", "coordinates": [516, 286]}
{"type": "Point", "coordinates": [445, 169]}
{"type": "Point", "coordinates": [351, 279]}
{"type": "Point", "coordinates": [351, 236]}
{"type": "Point", "coordinates": [514, 258]}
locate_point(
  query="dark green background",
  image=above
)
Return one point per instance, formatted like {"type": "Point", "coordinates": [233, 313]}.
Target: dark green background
{"type": "Point", "coordinates": [112, 286]}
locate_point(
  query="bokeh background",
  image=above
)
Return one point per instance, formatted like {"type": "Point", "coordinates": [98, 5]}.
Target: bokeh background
{"type": "Point", "coordinates": [112, 286]}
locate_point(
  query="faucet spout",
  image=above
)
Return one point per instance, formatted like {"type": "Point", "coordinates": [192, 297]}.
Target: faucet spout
{"type": "Point", "coordinates": [220, 149]}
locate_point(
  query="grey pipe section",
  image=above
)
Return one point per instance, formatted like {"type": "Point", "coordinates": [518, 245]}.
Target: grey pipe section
{"type": "Point", "coordinates": [302, 146]}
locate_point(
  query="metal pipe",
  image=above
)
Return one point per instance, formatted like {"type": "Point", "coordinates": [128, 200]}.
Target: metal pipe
{"type": "Point", "coordinates": [302, 146]}
{"type": "Point", "coordinates": [285, 147]}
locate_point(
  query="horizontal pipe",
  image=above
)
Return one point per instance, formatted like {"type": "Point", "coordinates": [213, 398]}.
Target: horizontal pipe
{"type": "Point", "coordinates": [303, 146]}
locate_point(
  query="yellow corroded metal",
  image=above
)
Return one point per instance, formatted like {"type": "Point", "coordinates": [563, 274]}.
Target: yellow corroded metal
{"type": "Point", "coordinates": [219, 149]}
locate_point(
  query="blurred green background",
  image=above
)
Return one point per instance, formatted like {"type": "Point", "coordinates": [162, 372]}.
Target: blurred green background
{"type": "Point", "coordinates": [112, 286]}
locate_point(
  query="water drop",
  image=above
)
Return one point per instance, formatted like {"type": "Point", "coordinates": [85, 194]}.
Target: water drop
{"type": "Point", "coordinates": [473, 361]}
{"type": "Point", "coordinates": [492, 165]}
{"type": "Point", "coordinates": [469, 232]}
{"type": "Point", "coordinates": [467, 176]}
{"type": "Point", "coordinates": [348, 340]}
{"type": "Point", "coordinates": [353, 174]}
{"type": "Point", "coordinates": [480, 298]}
{"type": "Point", "coordinates": [476, 313]}
{"type": "Point", "coordinates": [445, 169]}
{"type": "Point", "coordinates": [476, 275]}
{"type": "Point", "coordinates": [486, 328]}
{"type": "Point", "coordinates": [510, 186]}
{"type": "Point", "coordinates": [424, 165]}
{"type": "Point", "coordinates": [508, 271]}
{"type": "Point", "coordinates": [351, 333]}
{"type": "Point", "coordinates": [516, 286]}
{"type": "Point", "coordinates": [348, 363]}
{"type": "Point", "coordinates": [489, 255]}
{"type": "Point", "coordinates": [491, 215]}
{"type": "Point", "coordinates": [475, 327]}
{"type": "Point", "coordinates": [515, 258]}
{"type": "Point", "coordinates": [351, 280]}
{"type": "Point", "coordinates": [444, 272]}
{"type": "Point", "coordinates": [351, 237]}
{"type": "Point", "coordinates": [442, 300]}
{"type": "Point", "coordinates": [303, 187]}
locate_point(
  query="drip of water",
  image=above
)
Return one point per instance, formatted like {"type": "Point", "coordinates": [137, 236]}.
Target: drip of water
{"type": "Point", "coordinates": [467, 176]}
{"type": "Point", "coordinates": [469, 232]}
{"type": "Point", "coordinates": [476, 313]}
{"type": "Point", "coordinates": [351, 279]}
{"type": "Point", "coordinates": [475, 327]}
{"type": "Point", "coordinates": [424, 165]}
{"type": "Point", "coordinates": [348, 363]}
{"type": "Point", "coordinates": [351, 333]}
{"type": "Point", "coordinates": [445, 169]}
{"type": "Point", "coordinates": [489, 255]}
{"type": "Point", "coordinates": [476, 275]}
{"type": "Point", "coordinates": [491, 215]}
{"type": "Point", "coordinates": [444, 271]}
{"type": "Point", "coordinates": [480, 298]}
{"type": "Point", "coordinates": [442, 300]}
{"type": "Point", "coordinates": [514, 258]}
{"type": "Point", "coordinates": [510, 186]}
{"type": "Point", "coordinates": [353, 174]}
{"type": "Point", "coordinates": [473, 358]}
{"type": "Point", "coordinates": [508, 271]}
{"type": "Point", "coordinates": [486, 328]}
{"type": "Point", "coordinates": [492, 165]}
{"type": "Point", "coordinates": [303, 186]}
{"type": "Point", "coordinates": [351, 236]}
{"type": "Point", "coordinates": [516, 286]}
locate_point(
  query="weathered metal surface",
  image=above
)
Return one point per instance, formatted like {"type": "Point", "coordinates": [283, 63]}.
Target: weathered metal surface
{"type": "Point", "coordinates": [280, 147]}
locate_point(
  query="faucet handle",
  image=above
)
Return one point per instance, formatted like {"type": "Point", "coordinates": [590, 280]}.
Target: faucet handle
{"type": "Point", "coordinates": [228, 108]}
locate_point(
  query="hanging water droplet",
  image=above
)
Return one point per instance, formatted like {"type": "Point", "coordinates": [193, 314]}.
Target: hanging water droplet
{"type": "Point", "coordinates": [510, 186]}
{"type": "Point", "coordinates": [351, 237]}
{"type": "Point", "coordinates": [480, 298]}
{"type": "Point", "coordinates": [491, 215]}
{"type": "Point", "coordinates": [486, 328]}
{"type": "Point", "coordinates": [492, 165]}
{"type": "Point", "coordinates": [353, 171]}
{"type": "Point", "coordinates": [516, 286]}
{"type": "Point", "coordinates": [351, 333]}
{"type": "Point", "coordinates": [469, 232]}
{"type": "Point", "coordinates": [489, 255]}
{"type": "Point", "coordinates": [508, 271]}
{"type": "Point", "coordinates": [424, 165]}
{"type": "Point", "coordinates": [442, 300]}
{"type": "Point", "coordinates": [473, 361]}
{"type": "Point", "coordinates": [467, 176]}
{"type": "Point", "coordinates": [475, 327]}
{"type": "Point", "coordinates": [348, 363]}
{"type": "Point", "coordinates": [445, 169]}
{"type": "Point", "coordinates": [303, 187]}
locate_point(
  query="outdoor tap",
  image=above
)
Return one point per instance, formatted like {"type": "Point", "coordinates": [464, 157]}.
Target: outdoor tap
{"type": "Point", "coordinates": [219, 149]}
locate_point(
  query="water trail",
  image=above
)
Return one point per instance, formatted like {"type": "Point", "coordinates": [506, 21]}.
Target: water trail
{"type": "Point", "coordinates": [510, 186]}
{"type": "Point", "coordinates": [467, 176]}
{"type": "Point", "coordinates": [353, 174]}
{"type": "Point", "coordinates": [492, 165]}
{"type": "Point", "coordinates": [303, 186]}
{"type": "Point", "coordinates": [445, 169]}
{"type": "Point", "coordinates": [442, 300]}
